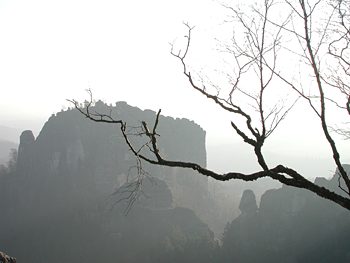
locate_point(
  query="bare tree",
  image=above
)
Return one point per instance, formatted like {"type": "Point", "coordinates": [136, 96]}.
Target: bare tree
{"type": "Point", "coordinates": [339, 49]}
{"type": "Point", "coordinates": [314, 35]}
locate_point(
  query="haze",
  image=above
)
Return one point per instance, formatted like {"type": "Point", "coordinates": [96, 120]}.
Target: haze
{"type": "Point", "coordinates": [53, 51]}
{"type": "Point", "coordinates": [71, 192]}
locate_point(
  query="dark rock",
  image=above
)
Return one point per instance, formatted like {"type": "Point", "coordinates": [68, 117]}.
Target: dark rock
{"type": "Point", "coordinates": [6, 259]}
{"type": "Point", "coordinates": [291, 225]}
{"type": "Point", "coordinates": [67, 209]}
{"type": "Point", "coordinates": [248, 203]}
{"type": "Point", "coordinates": [26, 151]}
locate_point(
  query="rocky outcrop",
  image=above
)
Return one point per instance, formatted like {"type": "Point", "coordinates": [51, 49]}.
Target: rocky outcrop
{"type": "Point", "coordinates": [6, 259]}
{"type": "Point", "coordinates": [291, 225]}
{"type": "Point", "coordinates": [69, 144]}
{"type": "Point", "coordinates": [26, 152]}
{"type": "Point", "coordinates": [66, 201]}
{"type": "Point", "coordinates": [248, 203]}
{"type": "Point", "coordinates": [68, 138]}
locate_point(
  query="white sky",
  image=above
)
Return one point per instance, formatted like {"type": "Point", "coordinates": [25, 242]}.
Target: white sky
{"type": "Point", "coordinates": [51, 51]}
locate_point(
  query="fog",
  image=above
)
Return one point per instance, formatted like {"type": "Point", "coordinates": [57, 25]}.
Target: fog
{"type": "Point", "coordinates": [55, 51]}
{"type": "Point", "coordinates": [69, 195]}
{"type": "Point", "coordinates": [72, 191]}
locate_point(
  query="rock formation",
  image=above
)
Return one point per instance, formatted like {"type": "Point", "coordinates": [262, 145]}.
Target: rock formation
{"type": "Point", "coordinates": [291, 225]}
{"type": "Point", "coordinates": [63, 203]}
{"type": "Point", "coordinates": [26, 153]}
{"type": "Point", "coordinates": [68, 142]}
{"type": "Point", "coordinates": [248, 204]}
{"type": "Point", "coordinates": [6, 259]}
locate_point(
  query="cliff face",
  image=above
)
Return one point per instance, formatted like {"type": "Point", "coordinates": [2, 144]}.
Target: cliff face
{"type": "Point", "coordinates": [64, 202]}
{"type": "Point", "coordinates": [69, 145]}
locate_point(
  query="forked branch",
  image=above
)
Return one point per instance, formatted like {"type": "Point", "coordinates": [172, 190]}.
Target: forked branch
{"type": "Point", "coordinates": [258, 55]}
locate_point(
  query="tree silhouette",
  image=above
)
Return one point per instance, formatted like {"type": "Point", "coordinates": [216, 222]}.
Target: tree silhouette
{"type": "Point", "coordinates": [314, 36]}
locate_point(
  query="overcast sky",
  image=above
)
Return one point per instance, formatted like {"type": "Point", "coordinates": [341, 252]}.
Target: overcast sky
{"type": "Point", "coordinates": [51, 51]}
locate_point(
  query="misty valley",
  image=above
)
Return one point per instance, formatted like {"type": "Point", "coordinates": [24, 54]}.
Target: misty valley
{"type": "Point", "coordinates": [75, 194]}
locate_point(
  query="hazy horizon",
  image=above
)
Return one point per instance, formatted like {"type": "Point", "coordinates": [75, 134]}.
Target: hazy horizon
{"type": "Point", "coordinates": [54, 51]}
{"type": "Point", "coordinates": [249, 89]}
{"type": "Point", "coordinates": [222, 155]}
